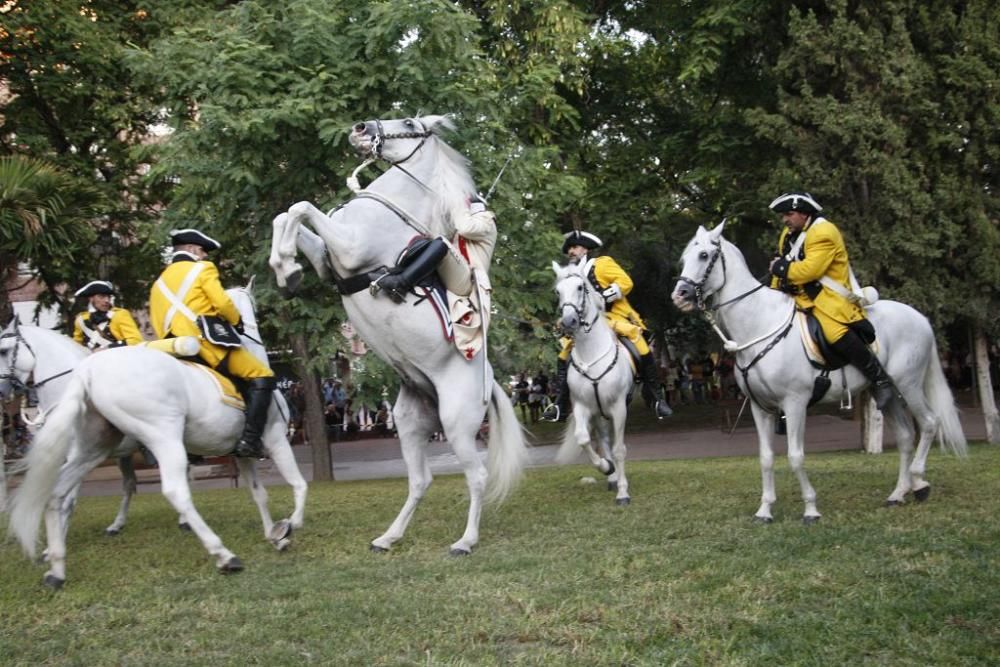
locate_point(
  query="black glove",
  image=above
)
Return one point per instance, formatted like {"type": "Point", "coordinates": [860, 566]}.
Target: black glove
{"type": "Point", "coordinates": [779, 267]}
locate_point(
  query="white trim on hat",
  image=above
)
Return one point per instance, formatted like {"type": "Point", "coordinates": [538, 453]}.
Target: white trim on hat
{"type": "Point", "coordinates": [579, 234]}
{"type": "Point", "coordinates": [190, 230]}
{"type": "Point", "coordinates": [91, 284]}
{"type": "Point", "coordinates": [795, 197]}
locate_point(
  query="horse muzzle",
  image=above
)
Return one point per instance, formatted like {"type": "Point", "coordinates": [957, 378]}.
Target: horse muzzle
{"type": "Point", "coordinates": [362, 138]}
{"type": "Point", "coordinates": [683, 297]}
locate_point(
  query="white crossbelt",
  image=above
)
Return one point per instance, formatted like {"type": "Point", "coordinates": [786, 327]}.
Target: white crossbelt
{"type": "Point", "coordinates": [177, 300]}
{"type": "Point", "coordinates": [95, 337]}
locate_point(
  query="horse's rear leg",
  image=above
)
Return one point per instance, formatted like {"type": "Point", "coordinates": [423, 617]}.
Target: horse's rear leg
{"type": "Point", "coordinates": [56, 517]}
{"type": "Point", "coordinates": [911, 468]}
{"type": "Point", "coordinates": [174, 485]}
{"type": "Point", "coordinates": [284, 461]}
{"type": "Point", "coordinates": [415, 422]}
{"type": "Point", "coordinates": [275, 533]}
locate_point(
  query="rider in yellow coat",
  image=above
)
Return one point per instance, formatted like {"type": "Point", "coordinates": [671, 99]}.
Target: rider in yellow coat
{"type": "Point", "coordinates": [188, 289]}
{"type": "Point", "coordinates": [103, 325]}
{"type": "Point", "coordinates": [614, 284]}
{"type": "Point", "coordinates": [813, 266]}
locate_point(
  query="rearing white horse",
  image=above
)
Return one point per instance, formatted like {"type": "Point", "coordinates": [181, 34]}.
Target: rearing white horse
{"type": "Point", "coordinates": [600, 376]}
{"type": "Point", "coordinates": [149, 397]}
{"type": "Point", "coordinates": [776, 374]}
{"type": "Point", "coordinates": [427, 185]}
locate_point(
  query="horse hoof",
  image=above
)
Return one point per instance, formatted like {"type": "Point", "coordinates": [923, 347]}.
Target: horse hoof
{"type": "Point", "coordinates": [374, 548]}
{"type": "Point", "coordinates": [622, 502]}
{"type": "Point", "coordinates": [112, 532]}
{"type": "Point", "coordinates": [459, 552]}
{"type": "Point", "coordinates": [894, 503]}
{"type": "Point", "coordinates": [612, 486]}
{"type": "Point", "coordinates": [763, 519]}
{"type": "Point", "coordinates": [922, 494]}
{"type": "Point", "coordinates": [611, 468]}
{"type": "Point", "coordinates": [53, 582]}
{"type": "Point", "coordinates": [184, 527]}
{"type": "Point", "coordinates": [281, 530]}
{"type": "Point", "coordinates": [809, 519]}
{"type": "Point", "coordinates": [282, 545]}
{"type": "Point", "coordinates": [234, 564]}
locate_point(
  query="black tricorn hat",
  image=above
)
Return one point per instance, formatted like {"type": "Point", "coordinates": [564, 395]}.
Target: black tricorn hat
{"type": "Point", "coordinates": [95, 287]}
{"type": "Point", "coordinates": [577, 237]}
{"type": "Point", "coordinates": [193, 237]}
{"type": "Point", "coordinates": [795, 201]}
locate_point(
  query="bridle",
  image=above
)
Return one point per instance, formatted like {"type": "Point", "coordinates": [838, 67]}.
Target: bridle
{"type": "Point", "coordinates": [381, 136]}
{"type": "Point", "coordinates": [583, 307]}
{"type": "Point", "coordinates": [19, 386]}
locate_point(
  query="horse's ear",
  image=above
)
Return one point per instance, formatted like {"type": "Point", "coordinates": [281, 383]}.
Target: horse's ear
{"type": "Point", "coordinates": [557, 268]}
{"type": "Point", "coordinates": [716, 233]}
{"type": "Point", "coordinates": [249, 286]}
{"type": "Point", "coordinates": [437, 124]}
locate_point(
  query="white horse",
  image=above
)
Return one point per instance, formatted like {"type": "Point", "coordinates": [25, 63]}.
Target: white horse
{"type": "Point", "coordinates": [427, 185]}
{"type": "Point", "coordinates": [776, 375]}
{"type": "Point", "coordinates": [600, 377]}
{"type": "Point", "coordinates": [49, 357]}
{"type": "Point", "coordinates": [129, 395]}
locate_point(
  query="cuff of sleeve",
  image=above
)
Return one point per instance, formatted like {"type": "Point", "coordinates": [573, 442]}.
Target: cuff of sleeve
{"type": "Point", "coordinates": [780, 268]}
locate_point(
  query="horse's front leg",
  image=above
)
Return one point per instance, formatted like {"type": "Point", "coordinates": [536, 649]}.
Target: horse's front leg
{"type": "Point", "coordinates": [764, 422]}
{"type": "Point", "coordinates": [584, 439]}
{"type": "Point", "coordinates": [618, 452]}
{"type": "Point", "coordinates": [795, 416]}
{"type": "Point", "coordinates": [287, 271]}
{"type": "Point", "coordinates": [129, 487]}
{"type": "Point", "coordinates": [275, 533]}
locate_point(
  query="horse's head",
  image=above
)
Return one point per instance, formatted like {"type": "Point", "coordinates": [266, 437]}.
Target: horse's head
{"type": "Point", "coordinates": [16, 360]}
{"type": "Point", "coordinates": [703, 269]}
{"type": "Point", "coordinates": [243, 300]}
{"type": "Point", "coordinates": [579, 304]}
{"type": "Point", "coordinates": [395, 141]}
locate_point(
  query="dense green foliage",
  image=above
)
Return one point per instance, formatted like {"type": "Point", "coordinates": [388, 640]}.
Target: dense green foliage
{"type": "Point", "coordinates": [562, 577]}
{"type": "Point", "coordinates": [634, 120]}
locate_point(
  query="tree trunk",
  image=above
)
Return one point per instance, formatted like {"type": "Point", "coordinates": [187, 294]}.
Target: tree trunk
{"type": "Point", "coordinates": [871, 425]}
{"type": "Point", "coordinates": [985, 386]}
{"type": "Point", "coordinates": [313, 421]}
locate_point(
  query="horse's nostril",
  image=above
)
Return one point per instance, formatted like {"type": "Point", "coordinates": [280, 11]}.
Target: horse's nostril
{"type": "Point", "coordinates": [360, 127]}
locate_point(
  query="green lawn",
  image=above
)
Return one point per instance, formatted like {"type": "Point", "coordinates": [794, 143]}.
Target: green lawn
{"type": "Point", "coordinates": [562, 576]}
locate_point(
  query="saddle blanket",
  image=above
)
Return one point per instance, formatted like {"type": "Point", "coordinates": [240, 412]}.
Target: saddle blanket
{"type": "Point", "coordinates": [809, 343]}
{"type": "Point", "coordinates": [228, 393]}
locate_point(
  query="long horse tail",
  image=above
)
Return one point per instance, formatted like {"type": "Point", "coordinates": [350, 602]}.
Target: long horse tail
{"type": "Point", "coordinates": [508, 454]}
{"type": "Point", "coordinates": [942, 403]}
{"type": "Point", "coordinates": [568, 450]}
{"type": "Point", "coordinates": [47, 454]}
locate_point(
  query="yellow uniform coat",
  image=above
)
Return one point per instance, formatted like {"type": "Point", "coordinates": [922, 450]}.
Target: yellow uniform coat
{"type": "Point", "coordinates": [205, 297]}
{"type": "Point", "coordinates": [823, 253]}
{"type": "Point", "coordinates": [121, 328]}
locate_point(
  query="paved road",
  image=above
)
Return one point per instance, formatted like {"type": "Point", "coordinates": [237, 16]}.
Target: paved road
{"type": "Point", "coordinates": [380, 458]}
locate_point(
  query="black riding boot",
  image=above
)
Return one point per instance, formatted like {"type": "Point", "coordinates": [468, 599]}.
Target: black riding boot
{"type": "Point", "coordinates": [258, 400]}
{"type": "Point", "coordinates": [396, 285]}
{"type": "Point", "coordinates": [651, 391]}
{"type": "Point", "coordinates": [852, 348]}
{"type": "Point", "coordinates": [559, 411]}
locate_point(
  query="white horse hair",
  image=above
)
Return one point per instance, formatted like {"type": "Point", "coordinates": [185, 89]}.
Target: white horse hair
{"type": "Point", "coordinates": [781, 378]}
{"type": "Point", "coordinates": [123, 396]}
{"type": "Point", "coordinates": [422, 193]}
{"type": "Point", "coordinates": [600, 377]}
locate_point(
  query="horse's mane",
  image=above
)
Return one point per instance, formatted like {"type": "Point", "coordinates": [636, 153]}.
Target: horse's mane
{"type": "Point", "coordinates": [451, 179]}
{"type": "Point", "coordinates": [56, 338]}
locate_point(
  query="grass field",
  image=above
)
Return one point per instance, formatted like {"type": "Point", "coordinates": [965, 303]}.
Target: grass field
{"type": "Point", "coordinates": [562, 576]}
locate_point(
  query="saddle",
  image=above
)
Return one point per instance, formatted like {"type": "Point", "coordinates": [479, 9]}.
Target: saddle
{"type": "Point", "coordinates": [821, 354]}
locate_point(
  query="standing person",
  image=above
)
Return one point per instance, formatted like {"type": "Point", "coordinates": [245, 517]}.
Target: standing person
{"type": "Point", "coordinates": [813, 266]}
{"type": "Point", "coordinates": [188, 300]}
{"type": "Point", "coordinates": [103, 325]}
{"type": "Point", "coordinates": [521, 393]}
{"type": "Point", "coordinates": [614, 284]}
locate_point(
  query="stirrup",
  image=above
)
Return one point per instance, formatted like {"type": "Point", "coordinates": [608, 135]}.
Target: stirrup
{"type": "Point", "coordinates": [552, 413]}
{"type": "Point", "coordinates": [244, 450]}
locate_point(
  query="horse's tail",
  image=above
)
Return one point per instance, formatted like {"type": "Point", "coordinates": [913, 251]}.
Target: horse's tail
{"type": "Point", "coordinates": [507, 452]}
{"type": "Point", "coordinates": [569, 450]}
{"type": "Point", "coordinates": [45, 458]}
{"type": "Point", "coordinates": [942, 404]}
